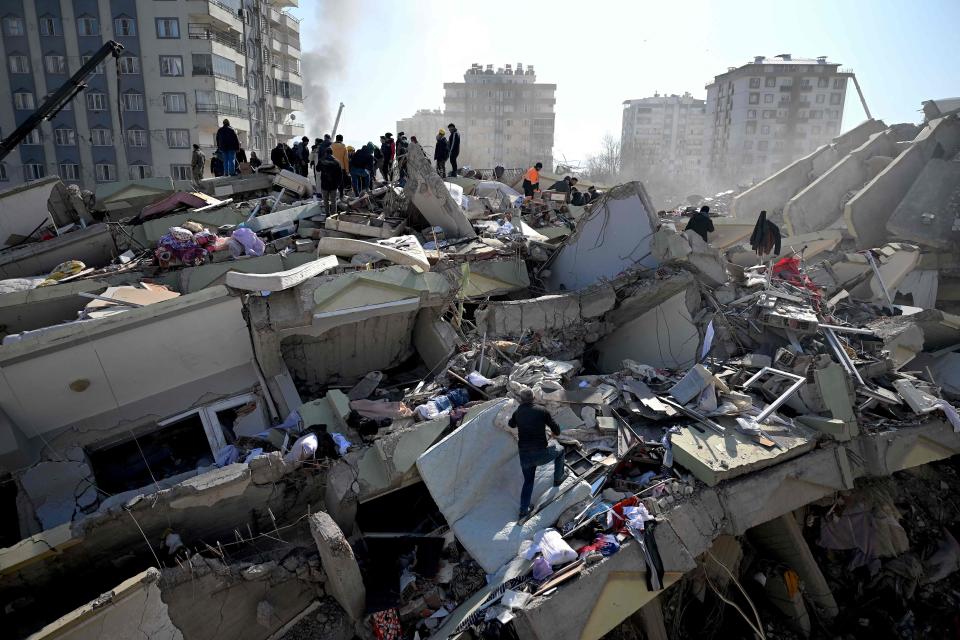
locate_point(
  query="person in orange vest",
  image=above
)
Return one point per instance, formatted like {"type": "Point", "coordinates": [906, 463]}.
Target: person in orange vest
{"type": "Point", "coordinates": [531, 180]}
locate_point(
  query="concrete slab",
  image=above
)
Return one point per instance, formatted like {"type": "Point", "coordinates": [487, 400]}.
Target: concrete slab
{"type": "Point", "coordinates": [94, 246]}
{"type": "Point", "coordinates": [25, 208]}
{"type": "Point", "coordinates": [429, 195]}
{"type": "Point", "coordinates": [613, 237]}
{"type": "Point", "coordinates": [344, 581]}
{"type": "Point", "coordinates": [928, 212]}
{"type": "Point", "coordinates": [713, 458]}
{"type": "Point", "coordinates": [402, 250]}
{"type": "Point", "coordinates": [285, 216]}
{"type": "Point", "coordinates": [279, 280]}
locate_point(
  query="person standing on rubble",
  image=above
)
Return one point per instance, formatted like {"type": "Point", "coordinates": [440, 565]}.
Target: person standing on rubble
{"type": "Point", "coordinates": [197, 162]}
{"type": "Point", "coordinates": [440, 153]}
{"type": "Point", "coordinates": [228, 144]}
{"type": "Point", "coordinates": [700, 223]}
{"type": "Point", "coordinates": [329, 170]}
{"type": "Point", "coordinates": [454, 144]}
{"type": "Point", "coordinates": [360, 164]}
{"type": "Point", "coordinates": [402, 147]}
{"type": "Point", "coordinates": [340, 155]}
{"type": "Point", "coordinates": [530, 421]}
{"type": "Point", "coordinates": [388, 149]}
{"type": "Point", "coordinates": [279, 157]}
{"type": "Point", "coordinates": [531, 180]}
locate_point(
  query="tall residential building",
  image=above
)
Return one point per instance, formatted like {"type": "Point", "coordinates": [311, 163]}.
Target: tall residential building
{"type": "Point", "coordinates": [771, 111]}
{"type": "Point", "coordinates": [186, 66]}
{"type": "Point", "coordinates": [664, 134]}
{"type": "Point", "coordinates": [505, 117]}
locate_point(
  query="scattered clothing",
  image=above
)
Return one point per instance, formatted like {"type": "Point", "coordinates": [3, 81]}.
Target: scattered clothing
{"type": "Point", "coordinates": [765, 237]}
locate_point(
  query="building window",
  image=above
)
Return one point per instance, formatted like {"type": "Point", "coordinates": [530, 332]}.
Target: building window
{"type": "Point", "coordinates": [751, 127]}
{"type": "Point", "coordinates": [33, 171]}
{"type": "Point", "coordinates": [106, 172]}
{"type": "Point", "coordinates": [819, 98]}
{"type": "Point", "coordinates": [762, 145]}
{"type": "Point", "coordinates": [19, 64]}
{"type": "Point", "coordinates": [13, 26]}
{"type": "Point", "coordinates": [175, 102]}
{"type": "Point", "coordinates": [180, 172]}
{"type": "Point", "coordinates": [88, 26]}
{"type": "Point", "coordinates": [32, 138]}
{"type": "Point", "coordinates": [140, 171]}
{"type": "Point", "coordinates": [100, 137]}
{"type": "Point", "coordinates": [823, 83]}
{"type": "Point", "coordinates": [836, 98]}
{"type": "Point", "coordinates": [49, 26]}
{"type": "Point", "coordinates": [98, 70]}
{"type": "Point", "coordinates": [136, 137]}
{"type": "Point", "coordinates": [765, 130]}
{"type": "Point", "coordinates": [839, 83]}
{"type": "Point", "coordinates": [767, 98]}
{"type": "Point", "coordinates": [178, 138]}
{"type": "Point", "coordinates": [754, 83]}
{"type": "Point", "coordinates": [69, 171]}
{"type": "Point", "coordinates": [816, 114]}
{"type": "Point", "coordinates": [23, 100]}
{"type": "Point", "coordinates": [55, 63]}
{"type": "Point", "coordinates": [769, 114]}
{"type": "Point", "coordinates": [132, 101]}
{"type": "Point", "coordinates": [785, 98]}
{"type": "Point", "coordinates": [96, 102]}
{"type": "Point", "coordinates": [171, 65]}
{"type": "Point", "coordinates": [754, 98]}
{"type": "Point", "coordinates": [751, 114]}
{"type": "Point", "coordinates": [129, 65]}
{"type": "Point", "coordinates": [125, 26]}
{"type": "Point", "coordinates": [168, 28]}
{"type": "Point", "coordinates": [64, 137]}
{"type": "Point", "coordinates": [770, 81]}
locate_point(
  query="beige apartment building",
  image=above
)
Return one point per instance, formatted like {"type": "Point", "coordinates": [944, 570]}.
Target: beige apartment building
{"type": "Point", "coordinates": [664, 135]}
{"type": "Point", "coordinates": [767, 113]}
{"type": "Point", "coordinates": [505, 117]}
{"type": "Point", "coordinates": [186, 66]}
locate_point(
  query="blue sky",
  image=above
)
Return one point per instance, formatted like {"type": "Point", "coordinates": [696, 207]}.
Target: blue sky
{"type": "Point", "coordinates": [393, 57]}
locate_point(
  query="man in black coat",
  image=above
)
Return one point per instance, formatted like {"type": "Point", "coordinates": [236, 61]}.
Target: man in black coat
{"type": "Point", "coordinates": [700, 223]}
{"type": "Point", "coordinates": [440, 153]}
{"type": "Point", "coordinates": [454, 143]}
{"type": "Point", "coordinates": [228, 144]}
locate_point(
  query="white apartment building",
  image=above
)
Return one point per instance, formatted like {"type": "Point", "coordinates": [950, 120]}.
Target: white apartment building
{"type": "Point", "coordinates": [765, 114]}
{"type": "Point", "coordinates": [424, 124]}
{"type": "Point", "coordinates": [505, 117]}
{"type": "Point", "coordinates": [664, 135]}
{"type": "Point", "coordinates": [186, 65]}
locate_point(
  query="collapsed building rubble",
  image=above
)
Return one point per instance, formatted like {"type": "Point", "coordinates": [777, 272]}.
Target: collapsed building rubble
{"type": "Point", "coordinates": [251, 417]}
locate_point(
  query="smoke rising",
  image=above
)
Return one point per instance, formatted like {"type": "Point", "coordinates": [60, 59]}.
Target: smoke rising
{"type": "Point", "coordinates": [320, 68]}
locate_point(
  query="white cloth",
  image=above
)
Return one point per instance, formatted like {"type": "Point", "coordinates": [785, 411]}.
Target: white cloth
{"type": "Point", "coordinates": [303, 449]}
{"type": "Point", "coordinates": [950, 412]}
{"type": "Point", "coordinates": [554, 548]}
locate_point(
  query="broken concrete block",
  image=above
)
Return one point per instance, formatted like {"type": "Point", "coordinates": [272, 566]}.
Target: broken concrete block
{"type": "Point", "coordinates": [280, 280]}
{"type": "Point", "coordinates": [696, 380]}
{"type": "Point", "coordinates": [837, 429]}
{"type": "Point", "coordinates": [344, 581]}
{"type": "Point", "coordinates": [430, 195]}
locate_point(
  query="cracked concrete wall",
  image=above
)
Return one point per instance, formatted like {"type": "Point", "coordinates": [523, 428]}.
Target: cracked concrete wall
{"type": "Point", "coordinates": [547, 313]}
{"type": "Point", "coordinates": [208, 507]}
{"type": "Point", "coordinates": [773, 193]}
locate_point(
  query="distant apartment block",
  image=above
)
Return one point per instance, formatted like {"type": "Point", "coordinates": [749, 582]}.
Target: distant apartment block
{"type": "Point", "coordinates": [664, 135]}
{"type": "Point", "coordinates": [765, 114]}
{"type": "Point", "coordinates": [505, 117]}
{"type": "Point", "coordinates": [424, 124]}
{"type": "Point", "coordinates": [186, 66]}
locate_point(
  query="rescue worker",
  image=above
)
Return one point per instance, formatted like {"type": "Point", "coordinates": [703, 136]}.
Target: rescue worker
{"type": "Point", "coordinates": [531, 180]}
{"type": "Point", "coordinates": [530, 421]}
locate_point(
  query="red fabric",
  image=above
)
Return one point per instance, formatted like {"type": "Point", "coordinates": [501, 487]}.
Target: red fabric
{"type": "Point", "coordinates": [788, 269]}
{"type": "Point", "coordinates": [619, 521]}
{"type": "Point", "coordinates": [386, 625]}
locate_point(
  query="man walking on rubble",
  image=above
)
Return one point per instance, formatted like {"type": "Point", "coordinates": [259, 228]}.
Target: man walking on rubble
{"type": "Point", "coordinates": [454, 143]}
{"type": "Point", "coordinates": [402, 146]}
{"type": "Point", "coordinates": [197, 162]}
{"type": "Point", "coordinates": [530, 421]}
{"type": "Point", "coordinates": [700, 223]}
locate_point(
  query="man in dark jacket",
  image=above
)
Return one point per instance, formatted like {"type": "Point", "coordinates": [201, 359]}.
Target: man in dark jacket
{"type": "Point", "coordinates": [228, 144]}
{"type": "Point", "coordinates": [440, 153]}
{"type": "Point", "coordinates": [361, 164]}
{"type": "Point", "coordinates": [700, 223]}
{"type": "Point", "coordinates": [530, 421]}
{"type": "Point", "coordinates": [402, 147]}
{"type": "Point", "coordinates": [279, 157]}
{"type": "Point", "coordinates": [387, 149]}
{"type": "Point", "coordinates": [329, 170]}
{"type": "Point", "coordinates": [302, 153]}
{"type": "Point", "coordinates": [454, 144]}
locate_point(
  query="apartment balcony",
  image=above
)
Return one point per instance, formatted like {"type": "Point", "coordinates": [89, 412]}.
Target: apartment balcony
{"type": "Point", "coordinates": [284, 20]}
{"type": "Point", "coordinates": [204, 31]}
{"type": "Point", "coordinates": [219, 109]}
{"type": "Point", "coordinates": [288, 128]}
{"type": "Point", "coordinates": [284, 41]}
{"type": "Point", "coordinates": [220, 13]}
{"type": "Point", "coordinates": [286, 3]}
{"type": "Point", "coordinates": [786, 88]}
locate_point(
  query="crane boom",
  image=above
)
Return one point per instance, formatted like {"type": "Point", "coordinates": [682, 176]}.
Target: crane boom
{"type": "Point", "coordinates": [57, 100]}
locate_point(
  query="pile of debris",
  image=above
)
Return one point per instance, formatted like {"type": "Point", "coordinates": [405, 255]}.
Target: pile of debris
{"type": "Point", "coordinates": [340, 385]}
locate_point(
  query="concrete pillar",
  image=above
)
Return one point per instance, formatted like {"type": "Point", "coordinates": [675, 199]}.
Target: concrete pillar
{"type": "Point", "coordinates": [783, 539]}
{"type": "Point", "coordinates": [344, 581]}
{"type": "Point", "coordinates": [650, 620]}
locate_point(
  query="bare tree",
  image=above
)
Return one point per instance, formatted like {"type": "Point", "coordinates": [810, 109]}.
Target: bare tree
{"type": "Point", "coordinates": [606, 165]}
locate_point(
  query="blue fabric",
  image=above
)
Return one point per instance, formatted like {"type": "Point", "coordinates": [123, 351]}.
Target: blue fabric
{"type": "Point", "coordinates": [459, 396]}
{"type": "Point", "coordinates": [530, 460]}
{"type": "Point", "coordinates": [443, 403]}
{"type": "Point", "coordinates": [229, 162]}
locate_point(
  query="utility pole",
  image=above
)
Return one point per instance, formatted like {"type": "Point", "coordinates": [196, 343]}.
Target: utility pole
{"type": "Point", "coordinates": [336, 123]}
